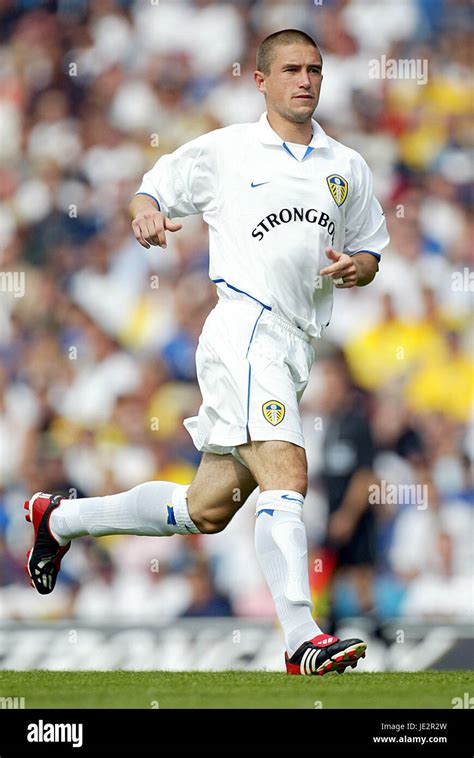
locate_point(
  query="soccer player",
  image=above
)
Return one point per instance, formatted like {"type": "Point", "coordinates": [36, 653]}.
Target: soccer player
{"type": "Point", "coordinates": [280, 198]}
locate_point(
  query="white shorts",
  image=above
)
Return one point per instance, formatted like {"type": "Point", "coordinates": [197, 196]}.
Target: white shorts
{"type": "Point", "coordinates": [252, 367]}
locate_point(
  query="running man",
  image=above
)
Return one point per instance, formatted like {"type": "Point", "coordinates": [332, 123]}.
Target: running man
{"type": "Point", "coordinates": [280, 198]}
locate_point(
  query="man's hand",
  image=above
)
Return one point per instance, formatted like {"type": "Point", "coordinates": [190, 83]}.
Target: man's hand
{"type": "Point", "coordinates": [350, 270]}
{"type": "Point", "coordinates": [149, 224]}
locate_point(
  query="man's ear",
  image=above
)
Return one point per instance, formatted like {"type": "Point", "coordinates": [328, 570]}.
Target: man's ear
{"type": "Point", "coordinates": [260, 81]}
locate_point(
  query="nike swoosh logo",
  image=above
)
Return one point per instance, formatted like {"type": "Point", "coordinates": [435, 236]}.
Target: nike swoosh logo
{"type": "Point", "coordinates": [287, 497]}
{"type": "Point", "coordinates": [259, 184]}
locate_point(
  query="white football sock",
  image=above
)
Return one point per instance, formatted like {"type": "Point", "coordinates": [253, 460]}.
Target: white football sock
{"type": "Point", "coordinates": [155, 509]}
{"type": "Point", "coordinates": [281, 546]}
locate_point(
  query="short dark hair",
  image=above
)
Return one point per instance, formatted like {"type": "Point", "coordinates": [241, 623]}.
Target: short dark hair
{"type": "Point", "coordinates": [266, 49]}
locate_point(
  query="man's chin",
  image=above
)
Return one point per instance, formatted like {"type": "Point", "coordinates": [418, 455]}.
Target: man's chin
{"type": "Point", "coordinates": [301, 115]}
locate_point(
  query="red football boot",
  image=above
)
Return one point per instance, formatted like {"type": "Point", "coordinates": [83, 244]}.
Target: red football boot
{"type": "Point", "coordinates": [323, 654]}
{"type": "Point", "coordinates": [43, 561]}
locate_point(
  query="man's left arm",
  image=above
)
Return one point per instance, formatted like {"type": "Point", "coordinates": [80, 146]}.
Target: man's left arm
{"type": "Point", "coordinates": [367, 266]}
{"type": "Point", "coordinates": [365, 234]}
{"type": "Point", "coordinates": [354, 270]}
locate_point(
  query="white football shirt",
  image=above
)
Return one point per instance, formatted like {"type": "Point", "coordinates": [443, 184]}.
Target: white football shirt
{"type": "Point", "coordinates": [272, 209]}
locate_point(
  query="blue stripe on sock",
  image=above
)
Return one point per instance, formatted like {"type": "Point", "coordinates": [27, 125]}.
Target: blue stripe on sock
{"type": "Point", "coordinates": [171, 518]}
{"type": "Point", "coordinates": [270, 511]}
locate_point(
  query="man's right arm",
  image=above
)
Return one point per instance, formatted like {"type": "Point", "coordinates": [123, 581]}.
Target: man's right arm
{"type": "Point", "coordinates": [149, 224]}
{"type": "Point", "coordinates": [180, 184]}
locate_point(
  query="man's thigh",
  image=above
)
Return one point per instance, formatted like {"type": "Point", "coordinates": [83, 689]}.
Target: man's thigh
{"type": "Point", "coordinates": [276, 465]}
{"type": "Point", "coordinates": [221, 486]}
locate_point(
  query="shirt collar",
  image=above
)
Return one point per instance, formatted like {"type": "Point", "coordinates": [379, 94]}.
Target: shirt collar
{"type": "Point", "coordinates": [270, 137]}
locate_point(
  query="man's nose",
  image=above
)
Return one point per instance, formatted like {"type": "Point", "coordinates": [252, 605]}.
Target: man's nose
{"type": "Point", "coordinates": [305, 80]}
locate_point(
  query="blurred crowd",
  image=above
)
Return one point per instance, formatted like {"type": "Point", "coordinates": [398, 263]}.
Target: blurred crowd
{"type": "Point", "coordinates": [97, 335]}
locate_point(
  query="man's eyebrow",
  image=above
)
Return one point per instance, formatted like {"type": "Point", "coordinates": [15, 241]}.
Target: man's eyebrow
{"type": "Point", "coordinates": [299, 65]}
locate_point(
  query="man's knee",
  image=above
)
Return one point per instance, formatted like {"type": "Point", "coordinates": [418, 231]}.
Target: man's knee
{"type": "Point", "coordinates": [209, 519]}
{"type": "Point", "coordinates": [208, 524]}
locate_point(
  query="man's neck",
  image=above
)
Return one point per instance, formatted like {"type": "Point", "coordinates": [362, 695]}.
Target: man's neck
{"type": "Point", "coordinates": [300, 134]}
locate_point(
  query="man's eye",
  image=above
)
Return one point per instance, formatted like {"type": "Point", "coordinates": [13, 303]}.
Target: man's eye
{"type": "Point", "coordinates": [311, 70]}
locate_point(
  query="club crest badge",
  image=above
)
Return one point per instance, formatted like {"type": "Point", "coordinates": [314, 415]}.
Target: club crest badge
{"type": "Point", "coordinates": [273, 411]}
{"type": "Point", "coordinates": [338, 188]}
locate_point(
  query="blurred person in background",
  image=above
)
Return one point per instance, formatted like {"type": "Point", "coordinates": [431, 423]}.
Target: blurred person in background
{"type": "Point", "coordinates": [433, 554]}
{"type": "Point", "coordinates": [204, 600]}
{"type": "Point", "coordinates": [346, 474]}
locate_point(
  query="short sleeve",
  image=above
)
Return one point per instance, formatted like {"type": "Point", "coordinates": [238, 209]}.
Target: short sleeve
{"type": "Point", "coordinates": [183, 182]}
{"type": "Point", "coordinates": [365, 226]}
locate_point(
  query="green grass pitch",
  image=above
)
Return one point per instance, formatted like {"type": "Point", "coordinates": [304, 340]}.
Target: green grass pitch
{"type": "Point", "coordinates": [234, 689]}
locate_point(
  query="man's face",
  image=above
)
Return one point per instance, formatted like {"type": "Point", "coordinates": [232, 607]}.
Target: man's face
{"type": "Point", "coordinates": [293, 85]}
